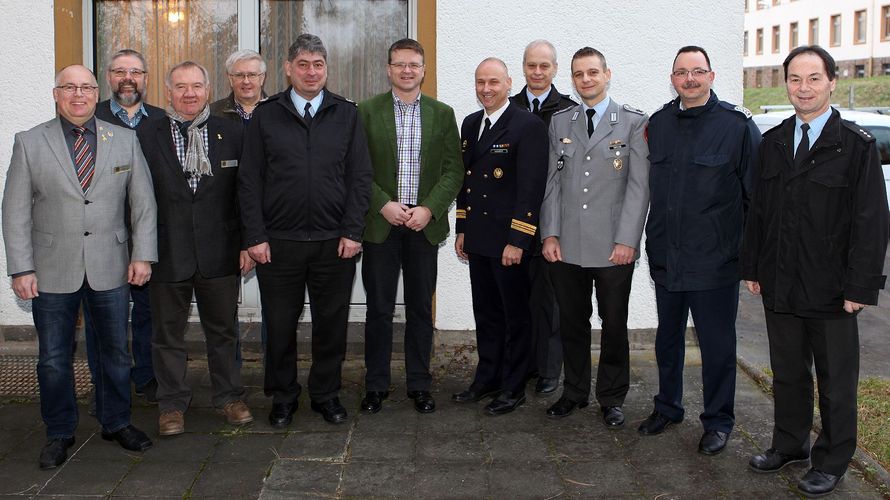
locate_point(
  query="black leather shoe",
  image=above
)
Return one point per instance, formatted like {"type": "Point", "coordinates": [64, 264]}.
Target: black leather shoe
{"type": "Point", "coordinates": [712, 442]}
{"type": "Point", "coordinates": [423, 401]}
{"type": "Point", "coordinates": [655, 423]}
{"type": "Point", "coordinates": [472, 395]}
{"type": "Point", "coordinates": [373, 401]}
{"type": "Point", "coordinates": [55, 452]}
{"type": "Point", "coordinates": [773, 461]}
{"type": "Point", "coordinates": [546, 385]}
{"type": "Point", "coordinates": [505, 403]}
{"type": "Point", "coordinates": [564, 407]}
{"type": "Point", "coordinates": [816, 483]}
{"type": "Point", "coordinates": [613, 416]}
{"type": "Point", "coordinates": [331, 410]}
{"type": "Point", "coordinates": [282, 414]}
{"type": "Point", "coordinates": [130, 438]}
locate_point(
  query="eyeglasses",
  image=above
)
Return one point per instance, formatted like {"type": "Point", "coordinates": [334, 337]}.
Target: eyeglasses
{"type": "Point", "coordinates": [122, 72]}
{"type": "Point", "coordinates": [72, 89]}
{"type": "Point", "coordinates": [695, 72]}
{"type": "Point", "coordinates": [401, 66]}
{"type": "Point", "coordinates": [250, 76]}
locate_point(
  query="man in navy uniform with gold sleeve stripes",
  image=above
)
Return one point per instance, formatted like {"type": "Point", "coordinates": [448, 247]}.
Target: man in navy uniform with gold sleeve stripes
{"type": "Point", "coordinates": [505, 155]}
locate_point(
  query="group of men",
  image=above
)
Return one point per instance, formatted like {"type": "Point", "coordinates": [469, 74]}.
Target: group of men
{"type": "Point", "coordinates": [202, 193]}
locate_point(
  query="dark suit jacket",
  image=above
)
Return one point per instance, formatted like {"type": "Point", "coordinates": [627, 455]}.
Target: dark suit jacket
{"type": "Point", "coordinates": [103, 112]}
{"type": "Point", "coordinates": [554, 102]}
{"type": "Point", "coordinates": [200, 231]}
{"type": "Point", "coordinates": [441, 171]}
{"type": "Point", "coordinates": [503, 187]}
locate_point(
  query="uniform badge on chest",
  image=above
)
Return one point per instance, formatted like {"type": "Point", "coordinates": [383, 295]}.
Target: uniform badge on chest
{"type": "Point", "coordinates": [617, 164]}
{"type": "Point", "coordinates": [498, 173]}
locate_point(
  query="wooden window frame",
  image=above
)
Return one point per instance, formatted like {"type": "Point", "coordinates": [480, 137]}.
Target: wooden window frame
{"type": "Point", "coordinates": [858, 37]}
{"type": "Point", "coordinates": [835, 35]}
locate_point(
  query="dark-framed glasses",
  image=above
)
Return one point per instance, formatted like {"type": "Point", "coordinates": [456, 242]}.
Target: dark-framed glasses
{"type": "Point", "coordinates": [72, 89]}
{"type": "Point", "coordinates": [695, 72]}
{"type": "Point", "coordinates": [122, 72]}
{"type": "Point", "coordinates": [401, 66]}
{"type": "Point", "coordinates": [250, 76]}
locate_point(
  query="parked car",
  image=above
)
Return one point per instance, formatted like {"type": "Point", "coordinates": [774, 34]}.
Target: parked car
{"type": "Point", "coordinates": [877, 125]}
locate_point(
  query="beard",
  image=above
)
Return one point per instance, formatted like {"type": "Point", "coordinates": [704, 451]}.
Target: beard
{"type": "Point", "coordinates": [127, 99]}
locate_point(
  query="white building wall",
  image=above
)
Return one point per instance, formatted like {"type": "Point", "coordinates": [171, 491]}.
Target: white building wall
{"type": "Point", "coordinates": [801, 11]}
{"type": "Point", "coordinates": [639, 40]}
{"type": "Point", "coordinates": [27, 66]}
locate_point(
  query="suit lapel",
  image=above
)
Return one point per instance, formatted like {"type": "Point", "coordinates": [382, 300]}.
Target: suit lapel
{"type": "Point", "coordinates": [56, 139]}
{"type": "Point", "coordinates": [388, 122]}
{"type": "Point", "coordinates": [603, 128]}
{"type": "Point", "coordinates": [470, 147]}
{"type": "Point", "coordinates": [427, 125]}
{"type": "Point", "coordinates": [104, 144]}
{"type": "Point", "coordinates": [496, 132]}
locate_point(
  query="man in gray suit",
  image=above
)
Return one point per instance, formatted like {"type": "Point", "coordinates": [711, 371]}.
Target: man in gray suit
{"type": "Point", "coordinates": [66, 243]}
{"type": "Point", "coordinates": [591, 223]}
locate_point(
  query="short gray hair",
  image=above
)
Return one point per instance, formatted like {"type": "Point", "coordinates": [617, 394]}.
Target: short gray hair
{"type": "Point", "coordinates": [539, 43]}
{"type": "Point", "coordinates": [168, 81]}
{"type": "Point", "coordinates": [126, 52]}
{"type": "Point", "coordinates": [307, 43]}
{"type": "Point", "coordinates": [245, 55]}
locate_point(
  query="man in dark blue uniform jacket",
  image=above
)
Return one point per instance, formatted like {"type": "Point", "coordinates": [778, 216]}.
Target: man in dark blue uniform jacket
{"type": "Point", "coordinates": [505, 155]}
{"type": "Point", "coordinates": [703, 155]}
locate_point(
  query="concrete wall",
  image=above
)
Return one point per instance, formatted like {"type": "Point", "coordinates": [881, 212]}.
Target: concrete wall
{"type": "Point", "coordinates": [639, 40]}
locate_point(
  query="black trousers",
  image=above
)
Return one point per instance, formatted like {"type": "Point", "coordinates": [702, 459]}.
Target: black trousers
{"type": "Point", "coordinates": [296, 266]}
{"type": "Point", "coordinates": [217, 300]}
{"type": "Point", "coordinates": [714, 312]}
{"type": "Point", "coordinates": [574, 287]}
{"type": "Point", "coordinates": [795, 345]}
{"type": "Point", "coordinates": [500, 307]}
{"type": "Point", "coordinates": [409, 251]}
{"type": "Point", "coordinates": [544, 314]}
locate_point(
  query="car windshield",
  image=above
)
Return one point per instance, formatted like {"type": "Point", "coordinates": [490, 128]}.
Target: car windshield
{"type": "Point", "coordinates": [882, 136]}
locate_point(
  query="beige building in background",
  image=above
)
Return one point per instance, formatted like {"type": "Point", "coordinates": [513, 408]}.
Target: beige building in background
{"type": "Point", "coordinates": [855, 32]}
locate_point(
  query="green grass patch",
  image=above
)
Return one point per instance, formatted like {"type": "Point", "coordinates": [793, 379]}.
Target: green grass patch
{"type": "Point", "coordinates": [874, 418]}
{"type": "Point", "coordinates": [868, 92]}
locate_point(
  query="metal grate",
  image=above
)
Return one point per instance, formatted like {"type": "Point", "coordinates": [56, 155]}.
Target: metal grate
{"type": "Point", "coordinates": [18, 376]}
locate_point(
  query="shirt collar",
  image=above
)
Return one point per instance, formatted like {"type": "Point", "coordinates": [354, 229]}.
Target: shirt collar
{"type": "Point", "coordinates": [117, 108]}
{"type": "Point", "coordinates": [816, 125]}
{"type": "Point", "coordinates": [541, 98]}
{"type": "Point", "coordinates": [68, 126]}
{"type": "Point", "coordinates": [497, 113]}
{"type": "Point", "coordinates": [599, 107]}
{"type": "Point", "coordinates": [398, 100]}
{"type": "Point", "coordinates": [300, 102]}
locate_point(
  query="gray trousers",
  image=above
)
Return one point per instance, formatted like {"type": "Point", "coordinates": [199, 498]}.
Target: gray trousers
{"type": "Point", "coordinates": [217, 300]}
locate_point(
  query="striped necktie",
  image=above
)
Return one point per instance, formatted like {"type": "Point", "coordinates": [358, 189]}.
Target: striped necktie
{"type": "Point", "coordinates": [84, 161]}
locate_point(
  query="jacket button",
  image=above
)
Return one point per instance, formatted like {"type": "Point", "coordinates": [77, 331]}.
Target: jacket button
{"type": "Point", "coordinates": [86, 202]}
{"type": "Point", "coordinates": [584, 206]}
{"type": "Point", "coordinates": [585, 190]}
{"type": "Point", "coordinates": [469, 172]}
{"type": "Point", "coordinates": [468, 190]}
{"type": "Point", "coordinates": [485, 196]}
{"type": "Point", "coordinates": [485, 176]}
{"type": "Point", "coordinates": [86, 233]}
{"type": "Point", "coordinates": [587, 174]}
{"type": "Point", "coordinates": [588, 158]}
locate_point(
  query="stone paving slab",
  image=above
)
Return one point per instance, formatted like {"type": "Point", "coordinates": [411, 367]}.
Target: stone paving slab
{"type": "Point", "coordinates": [456, 452]}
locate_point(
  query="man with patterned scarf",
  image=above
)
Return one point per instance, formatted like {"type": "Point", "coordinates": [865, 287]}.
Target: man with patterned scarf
{"type": "Point", "coordinates": [193, 159]}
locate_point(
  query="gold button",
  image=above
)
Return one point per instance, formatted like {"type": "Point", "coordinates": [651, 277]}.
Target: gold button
{"type": "Point", "coordinates": [528, 214]}
{"type": "Point", "coordinates": [469, 172]}
{"type": "Point", "coordinates": [485, 176]}
{"type": "Point", "coordinates": [469, 208]}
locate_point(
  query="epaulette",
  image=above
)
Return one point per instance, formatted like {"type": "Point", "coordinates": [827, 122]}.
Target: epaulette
{"type": "Point", "coordinates": [738, 109]}
{"type": "Point", "coordinates": [666, 106]}
{"type": "Point", "coordinates": [563, 110]}
{"type": "Point", "coordinates": [865, 135]}
{"type": "Point", "coordinates": [633, 109]}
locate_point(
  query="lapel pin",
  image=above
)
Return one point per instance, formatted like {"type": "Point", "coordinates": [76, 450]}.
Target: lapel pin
{"type": "Point", "coordinates": [565, 140]}
{"type": "Point", "coordinates": [219, 136]}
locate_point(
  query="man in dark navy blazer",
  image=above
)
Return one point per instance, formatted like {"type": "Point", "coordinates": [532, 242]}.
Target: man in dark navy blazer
{"type": "Point", "coordinates": [505, 155]}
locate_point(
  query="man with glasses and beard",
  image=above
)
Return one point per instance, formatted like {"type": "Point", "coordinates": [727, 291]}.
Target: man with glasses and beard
{"type": "Point", "coordinates": [703, 156]}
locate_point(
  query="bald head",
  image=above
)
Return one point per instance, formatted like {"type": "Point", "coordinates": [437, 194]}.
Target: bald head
{"type": "Point", "coordinates": [76, 93]}
{"type": "Point", "coordinates": [492, 84]}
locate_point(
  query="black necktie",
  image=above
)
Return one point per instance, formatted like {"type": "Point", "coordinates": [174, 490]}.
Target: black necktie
{"type": "Point", "coordinates": [535, 106]}
{"type": "Point", "coordinates": [184, 132]}
{"type": "Point", "coordinates": [307, 116]}
{"type": "Point", "coordinates": [486, 129]}
{"type": "Point", "coordinates": [804, 147]}
{"type": "Point", "coordinates": [590, 112]}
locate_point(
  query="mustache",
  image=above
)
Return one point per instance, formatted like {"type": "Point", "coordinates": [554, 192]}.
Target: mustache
{"type": "Point", "coordinates": [691, 85]}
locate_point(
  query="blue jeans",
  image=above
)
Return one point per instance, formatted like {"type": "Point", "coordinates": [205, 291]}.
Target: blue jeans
{"type": "Point", "coordinates": [55, 315]}
{"type": "Point", "coordinates": [140, 324]}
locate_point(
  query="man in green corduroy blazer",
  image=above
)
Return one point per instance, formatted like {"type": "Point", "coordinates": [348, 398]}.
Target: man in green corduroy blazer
{"type": "Point", "coordinates": [415, 152]}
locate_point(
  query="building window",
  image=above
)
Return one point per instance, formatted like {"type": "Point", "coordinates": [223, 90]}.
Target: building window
{"type": "Point", "coordinates": [792, 35]}
{"type": "Point", "coordinates": [859, 26]}
{"type": "Point", "coordinates": [759, 42]}
{"type": "Point", "coordinates": [859, 71]}
{"type": "Point", "coordinates": [746, 5]}
{"type": "Point", "coordinates": [835, 34]}
{"type": "Point", "coordinates": [776, 35]}
{"type": "Point", "coordinates": [774, 77]}
{"type": "Point", "coordinates": [814, 32]}
{"type": "Point", "coordinates": [745, 44]}
{"type": "Point", "coordinates": [885, 23]}
{"type": "Point", "coordinates": [885, 68]}
{"type": "Point", "coordinates": [758, 78]}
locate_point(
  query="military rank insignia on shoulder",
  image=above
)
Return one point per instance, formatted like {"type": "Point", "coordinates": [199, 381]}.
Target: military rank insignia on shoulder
{"type": "Point", "coordinates": [861, 132]}
{"type": "Point", "coordinates": [561, 111]}
{"type": "Point", "coordinates": [743, 110]}
{"type": "Point", "coordinates": [632, 109]}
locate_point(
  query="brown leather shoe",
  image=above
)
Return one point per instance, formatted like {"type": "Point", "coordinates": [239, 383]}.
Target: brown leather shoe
{"type": "Point", "coordinates": [171, 423]}
{"type": "Point", "coordinates": [237, 413]}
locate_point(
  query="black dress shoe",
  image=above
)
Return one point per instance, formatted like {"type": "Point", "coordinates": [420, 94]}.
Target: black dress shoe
{"type": "Point", "coordinates": [816, 483]}
{"type": "Point", "coordinates": [773, 461]}
{"type": "Point", "coordinates": [506, 402]}
{"type": "Point", "coordinates": [472, 395]}
{"type": "Point", "coordinates": [55, 452]}
{"type": "Point", "coordinates": [655, 423]}
{"type": "Point", "coordinates": [423, 401]}
{"type": "Point", "coordinates": [282, 414]}
{"type": "Point", "coordinates": [373, 401]}
{"type": "Point", "coordinates": [564, 407]}
{"type": "Point", "coordinates": [130, 438]}
{"type": "Point", "coordinates": [613, 416]}
{"type": "Point", "coordinates": [712, 442]}
{"type": "Point", "coordinates": [331, 410]}
{"type": "Point", "coordinates": [546, 385]}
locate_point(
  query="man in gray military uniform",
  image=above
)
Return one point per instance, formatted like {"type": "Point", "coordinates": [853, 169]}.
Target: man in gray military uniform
{"type": "Point", "coordinates": [591, 222]}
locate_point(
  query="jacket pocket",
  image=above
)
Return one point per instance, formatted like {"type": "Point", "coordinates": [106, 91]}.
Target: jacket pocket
{"type": "Point", "coordinates": [829, 179]}
{"type": "Point", "coordinates": [711, 160]}
{"type": "Point", "coordinates": [42, 239]}
{"type": "Point", "coordinates": [122, 235]}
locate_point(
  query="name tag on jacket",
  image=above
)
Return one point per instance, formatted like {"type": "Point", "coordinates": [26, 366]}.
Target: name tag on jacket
{"type": "Point", "coordinates": [229, 163]}
{"type": "Point", "coordinates": [121, 169]}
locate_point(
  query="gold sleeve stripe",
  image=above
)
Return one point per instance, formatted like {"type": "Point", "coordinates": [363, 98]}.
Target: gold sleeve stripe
{"type": "Point", "coordinates": [523, 227]}
{"type": "Point", "coordinates": [461, 213]}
